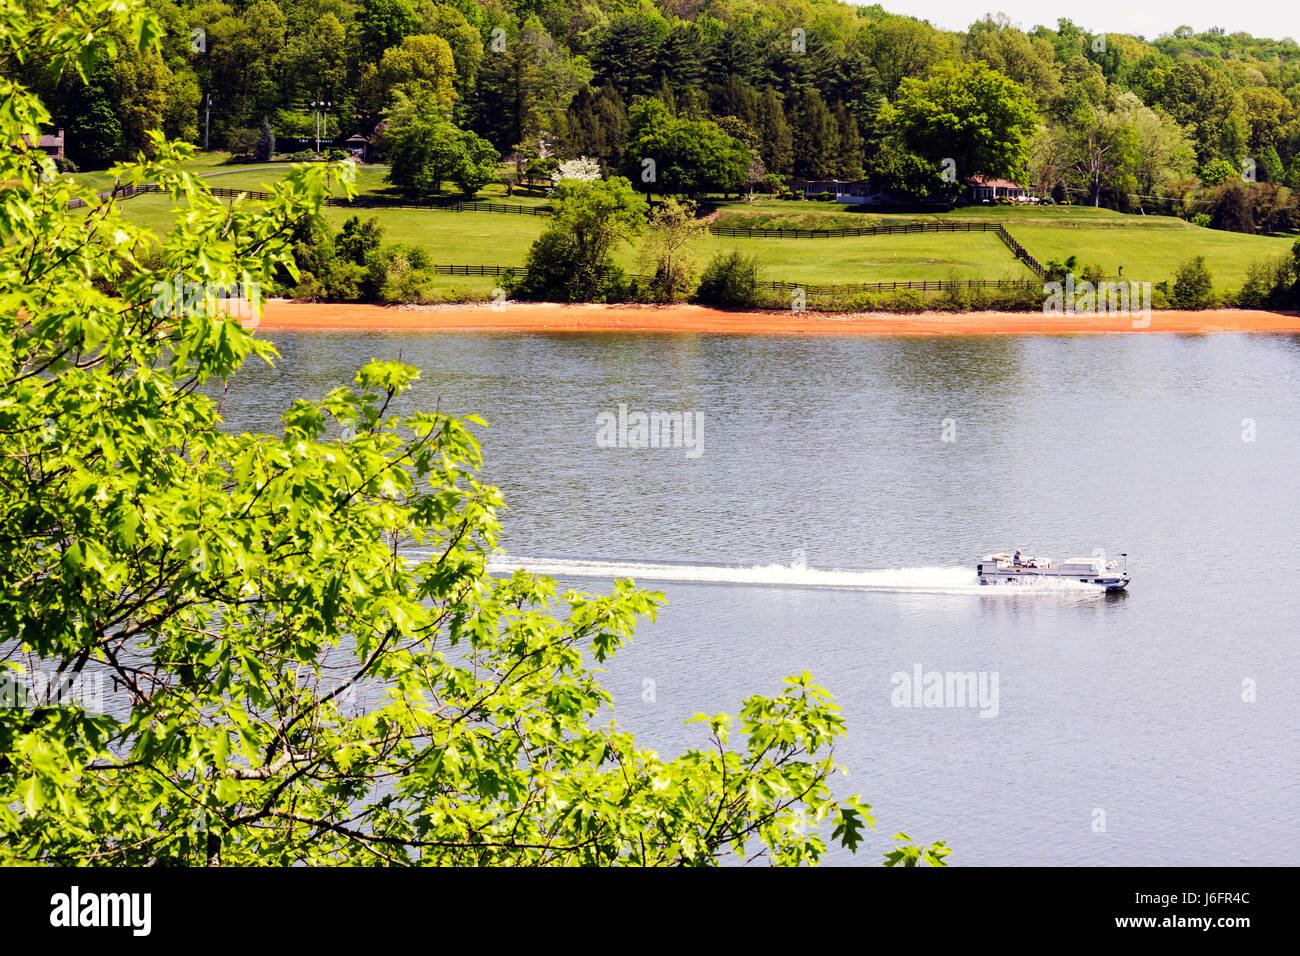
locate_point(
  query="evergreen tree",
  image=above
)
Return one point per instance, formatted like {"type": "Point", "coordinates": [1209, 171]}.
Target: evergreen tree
{"type": "Point", "coordinates": [774, 133]}
{"type": "Point", "coordinates": [1272, 164]}
{"type": "Point", "coordinates": [848, 162]}
{"type": "Point", "coordinates": [265, 147]}
{"type": "Point", "coordinates": [510, 88]}
{"type": "Point", "coordinates": [596, 125]}
{"type": "Point", "coordinates": [816, 138]}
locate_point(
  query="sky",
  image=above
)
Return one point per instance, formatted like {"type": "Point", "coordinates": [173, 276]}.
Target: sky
{"type": "Point", "coordinates": [1276, 19]}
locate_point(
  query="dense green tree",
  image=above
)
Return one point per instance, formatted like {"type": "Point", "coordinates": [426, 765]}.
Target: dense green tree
{"type": "Point", "coordinates": [731, 280]}
{"type": "Point", "coordinates": [572, 260]}
{"type": "Point", "coordinates": [774, 131]}
{"type": "Point", "coordinates": [903, 173]}
{"type": "Point", "coordinates": [1030, 61]}
{"type": "Point", "coordinates": [466, 43]}
{"type": "Point", "coordinates": [1266, 113]}
{"type": "Point", "coordinates": [426, 150]}
{"type": "Point", "coordinates": [420, 68]}
{"type": "Point", "coordinates": [509, 109]}
{"type": "Point", "coordinates": [315, 62]}
{"type": "Point", "coordinates": [627, 53]}
{"type": "Point", "coordinates": [89, 112]}
{"type": "Point", "coordinates": [1193, 285]}
{"type": "Point", "coordinates": [849, 148]}
{"type": "Point", "coordinates": [969, 113]}
{"type": "Point", "coordinates": [383, 24]}
{"type": "Point", "coordinates": [897, 48]}
{"type": "Point", "coordinates": [816, 137]}
{"type": "Point", "coordinates": [669, 154]}
{"type": "Point", "coordinates": [1201, 99]}
{"type": "Point", "coordinates": [597, 125]}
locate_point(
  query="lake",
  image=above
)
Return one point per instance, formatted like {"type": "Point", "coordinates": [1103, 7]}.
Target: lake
{"type": "Point", "coordinates": [1157, 726]}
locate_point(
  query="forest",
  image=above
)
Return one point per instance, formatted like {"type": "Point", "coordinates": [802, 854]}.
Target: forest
{"type": "Point", "coordinates": [692, 97]}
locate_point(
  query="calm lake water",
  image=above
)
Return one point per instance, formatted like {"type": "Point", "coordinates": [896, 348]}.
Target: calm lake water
{"type": "Point", "coordinates": [1121, 735]}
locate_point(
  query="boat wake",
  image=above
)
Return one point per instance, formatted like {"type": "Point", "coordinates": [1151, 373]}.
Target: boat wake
{"type": "Point", "coordinates": [925, 580]}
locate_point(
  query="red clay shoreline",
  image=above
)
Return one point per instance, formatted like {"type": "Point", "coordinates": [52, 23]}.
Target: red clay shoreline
{"type": "Point", "coordinates": [280, 314]}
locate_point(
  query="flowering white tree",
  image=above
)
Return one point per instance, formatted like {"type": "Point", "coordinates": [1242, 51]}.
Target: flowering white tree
{"type": "Point", "coordinates": [584, 169]}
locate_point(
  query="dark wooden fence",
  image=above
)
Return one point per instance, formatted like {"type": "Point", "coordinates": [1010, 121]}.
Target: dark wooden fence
{"type": "Point", "coordinates": [121, 192]}
{"type": "Point", "coordinates": [1020, 252]}
{"type": "Point", "coordinates": [461, 205]}
{"type": "Point", "coordinates": [475, 270]}
{"type": "Point", "coordinates": [923, 285]}
{"type": "Point", "coordinates": [926, 285]}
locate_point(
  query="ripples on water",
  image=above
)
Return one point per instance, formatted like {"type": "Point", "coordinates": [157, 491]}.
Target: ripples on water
{"type": "Point", "coordinates": [1128, 705]}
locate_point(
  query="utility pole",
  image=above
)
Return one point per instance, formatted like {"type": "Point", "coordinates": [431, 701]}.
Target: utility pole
{"type": "Point", "coordinates": [207, 110]}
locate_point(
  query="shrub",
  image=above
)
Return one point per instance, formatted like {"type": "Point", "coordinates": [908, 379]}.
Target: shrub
{"type": "Point", "coordinates": [395, 273]}
{"type": "Point", "coordinates": [1258, 287]}
{"type": "Point", "coordinates": [241, 141]}
{"type": "Point", "coordinates": [1193, 286]}
{"type": "Point", "coordinates": [1201, 219]}
{"type": "Point", "coordinates": [730, 280]}
{"type": "Point", "coordinates": [956, 294]}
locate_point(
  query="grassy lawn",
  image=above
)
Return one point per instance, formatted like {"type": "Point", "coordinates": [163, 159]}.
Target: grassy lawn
{"type": "Point", "coordinates": [1151, 249]}
{"type": "Point", "coordinates": [456, 238]}
{"type": "Point", "coordinates": [201, 163]}
{"type": "Point", "coordinates": [873, 258]}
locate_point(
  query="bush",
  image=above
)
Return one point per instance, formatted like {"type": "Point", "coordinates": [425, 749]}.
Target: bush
{"type": "Point", "coordinates": [1260, 280]}
{"type": "Point", "coordinates": [1193, 286]}
{"type": "Point", "coordinates": [336, 155]}
{"type": "Point", "coordinates": [1201, 219]}
{"type": "Point", "coordinates": [730, 280]}
{"type": "Point", "coordinates": [397, 273]}
{"type": "Point", "coordinates": [241, 141]}
{"type": "Point", "coordinates": [956, 294]}
{"type": "Point", "coordinates": [1272, 284]}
